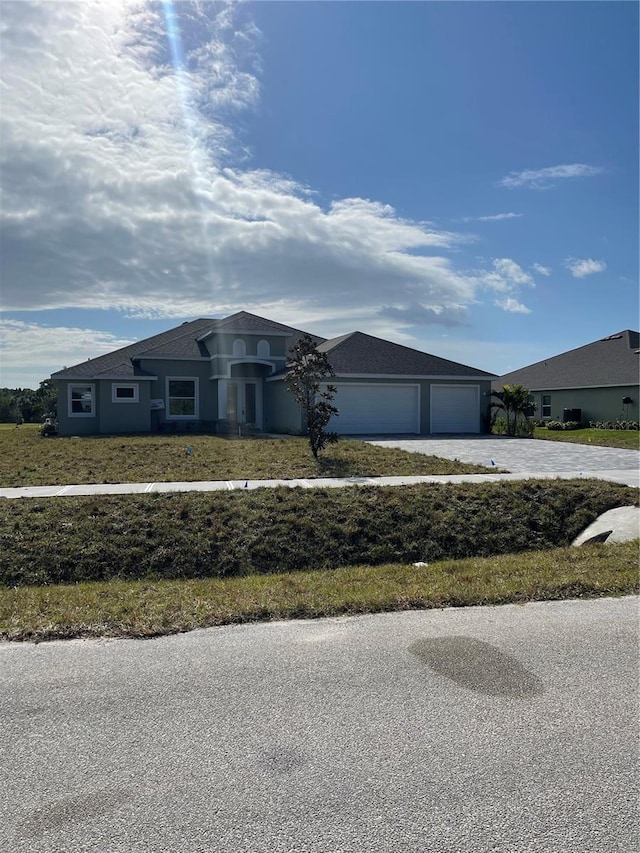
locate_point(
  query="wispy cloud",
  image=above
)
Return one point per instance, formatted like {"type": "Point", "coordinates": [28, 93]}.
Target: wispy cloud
{"type": "Point", "coordinates": [542, 179]}
{"type": "Point", "coordinates": [418, 315]}
{"type": "Point", "coordinates": [580, 267]}
{"type": "Point", "coordinates": [512, 306]}
{"type": "Point", "coordinates": [496, 217]}
{"type": "Point", "coordinates": [29, 352]}
{"type": "Point", "coordinates": [546, 271]}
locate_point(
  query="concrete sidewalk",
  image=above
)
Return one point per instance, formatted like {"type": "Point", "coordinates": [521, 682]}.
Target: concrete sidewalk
{"type": "Point", "coordinates": [629, 478]}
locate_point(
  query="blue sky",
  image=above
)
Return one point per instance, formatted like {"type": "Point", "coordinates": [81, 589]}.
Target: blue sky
{"type": "Point", "coordinates": [458, 177]}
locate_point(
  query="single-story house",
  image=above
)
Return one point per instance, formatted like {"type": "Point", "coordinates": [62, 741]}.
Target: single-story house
{"type": "Point", "coordinates": [595, 382]}
{"type": "Point", "coordinates": [223, 373]}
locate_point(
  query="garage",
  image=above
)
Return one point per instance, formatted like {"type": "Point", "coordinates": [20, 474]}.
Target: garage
{"type": "Point", "coordinates": [376, 408]}
{"type": "Point", "coordinates": [455, 409]}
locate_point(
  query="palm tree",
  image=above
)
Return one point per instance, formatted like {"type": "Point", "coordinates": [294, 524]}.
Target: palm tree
{"type": "Point", "coordinates": [513, 400]}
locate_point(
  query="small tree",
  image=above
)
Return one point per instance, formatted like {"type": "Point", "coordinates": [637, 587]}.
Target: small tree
{"type": "Point", "coordinates": [513, 400]}
{"type": "Point", "coordinates": [307, 370]}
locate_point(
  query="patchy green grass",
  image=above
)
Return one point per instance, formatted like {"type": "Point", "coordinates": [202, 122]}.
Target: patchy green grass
{"type": "Point", "coordinates": [222, 534]}
{"type": "Point", "coordinates": [27, 459]}
{"type": "Point", "coordinates": [152, 608]}
{"type": "Point", "coordinates": [626, 439]}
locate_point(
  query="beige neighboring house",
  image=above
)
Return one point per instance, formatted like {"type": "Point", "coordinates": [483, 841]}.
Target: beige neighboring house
{"type": "Point", "coordinates": [595, 382]}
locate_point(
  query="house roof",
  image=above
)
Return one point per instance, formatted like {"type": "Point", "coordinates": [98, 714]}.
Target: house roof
{"type": "Point", "coordinates": [184, 341]}
{"type": "Point", "coordinates": [355, 353]}
{"type": "Point", "coordinates": [359, 353]}
{"type": "Point", "coordinates": [609, 361]}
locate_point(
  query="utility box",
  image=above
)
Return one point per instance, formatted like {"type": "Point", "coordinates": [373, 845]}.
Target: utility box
{"type": "Point", "coordinates": [571, 415]}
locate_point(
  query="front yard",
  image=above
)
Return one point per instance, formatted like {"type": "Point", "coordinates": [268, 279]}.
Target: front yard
{"type": "Point", "coordinates": [27, 459]}
{"type": "Point", "coordinates": [626, 439]}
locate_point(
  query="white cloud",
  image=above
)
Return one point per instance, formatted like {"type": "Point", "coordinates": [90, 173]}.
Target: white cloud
{"type": "Point", "coordinates": [546, 271]}
{"type": "Point", "coordinates": [496, 217]}
{"type": "Point", "coordinates": [124, 184]}
{"type": "Point", "coordinates": [30, 352]}
{"type": "Point", "coordinates": [541, 179]}
{"type": "Point", "coordinates": [580, 267]}
{"type": "Point", "coordinates": [512, 305]}
{"type": "Point", "coordinates": [506, 278]}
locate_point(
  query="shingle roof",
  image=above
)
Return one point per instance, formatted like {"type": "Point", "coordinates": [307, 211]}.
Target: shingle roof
{"type": "Point", "coordinates": [355, 353]}
{"type": "Point", "coordinates": [183, 341]}
{"type": "Point", "coordinates": [609, 361]}
{"type": "Point", "coordinates": [119, 362]}
{"type": "Point", "coordinates": [360, 353]}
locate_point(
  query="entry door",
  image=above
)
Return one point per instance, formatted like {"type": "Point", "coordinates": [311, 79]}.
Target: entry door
{"type": "Point", "coordinates": [242, 402]}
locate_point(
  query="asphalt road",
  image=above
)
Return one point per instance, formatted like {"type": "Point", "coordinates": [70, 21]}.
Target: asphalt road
{"type": "Point", "coordinates": [479, 729]}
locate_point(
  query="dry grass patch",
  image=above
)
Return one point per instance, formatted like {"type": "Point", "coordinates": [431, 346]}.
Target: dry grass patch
{"type": "Point", "coordinates": [148, 609]}
{"type": "Point", "coordinates": [27, 459]}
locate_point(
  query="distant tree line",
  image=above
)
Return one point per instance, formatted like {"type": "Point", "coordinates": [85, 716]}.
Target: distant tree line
{"type": "Point", "coordinates": [27, 405]}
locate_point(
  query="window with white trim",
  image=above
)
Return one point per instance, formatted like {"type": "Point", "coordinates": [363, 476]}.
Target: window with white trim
{"type": "Point", "coordinates": [182, 397]}
{"type": "Point", "coordinates": [82, 401]}
{"type": "Point", "coordinates": [546, 405]}
{"type": "Point", "coordinates": [125, 393]}
{"type": "Point", "coordinates": [239, 348]}
{"type": "Point", "coordinates": [264, 350]}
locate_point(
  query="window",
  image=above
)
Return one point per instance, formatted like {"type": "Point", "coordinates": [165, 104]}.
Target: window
{"type": "Point", "coordinates": [182, 397]}
{"type": "Point", "coordinates": [82, 401]}
{"type": "Point", "coordinates": [546, 405]}
{"type": "Point", "coordinates": [264, 350]}
{"type": "Point", "coordinates": [124, 393]}
{"type": "Point", "coordinates": [239, 348]}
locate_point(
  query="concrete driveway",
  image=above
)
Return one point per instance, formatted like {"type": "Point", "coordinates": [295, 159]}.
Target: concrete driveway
{"type": "Point", "coordinates": [476, 730]}
{"type": "Point", "coordinates": [520, 455]}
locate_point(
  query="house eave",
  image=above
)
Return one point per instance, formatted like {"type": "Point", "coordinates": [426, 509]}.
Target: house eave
{"type": "Point", "coordinates": [407, 376]}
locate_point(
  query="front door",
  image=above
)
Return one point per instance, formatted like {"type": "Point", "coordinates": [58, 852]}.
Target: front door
{"type": "Point", "coordinates": [242, 402]}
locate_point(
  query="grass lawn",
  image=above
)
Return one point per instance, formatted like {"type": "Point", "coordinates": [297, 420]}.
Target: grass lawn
{"type": "Point", "coordinates": [27, 459]}
{"type": "Point", "coordinates": [629, 439]}
{"type": "Point", "coordinates": [224, 534]}
{"type": "Point", "coordinates": [152, 608]}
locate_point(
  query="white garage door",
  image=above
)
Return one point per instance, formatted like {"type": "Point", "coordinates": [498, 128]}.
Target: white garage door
{"type": "Point", "coordinates": [374, 408]}
{"type": "Point", "coordinates": [455, 408]}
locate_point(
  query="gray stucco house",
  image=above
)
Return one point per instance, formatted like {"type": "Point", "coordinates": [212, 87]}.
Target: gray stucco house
{"type": "Point", "coordinates": [601, 379]}
{"type": "Point", "coordinates": [224, 373]}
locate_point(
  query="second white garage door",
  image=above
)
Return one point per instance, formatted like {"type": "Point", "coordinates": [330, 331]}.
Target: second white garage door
{"type": "Point", "coordinates": [455, 408]}
{"type": "Point", "coordinates": [371, 408]}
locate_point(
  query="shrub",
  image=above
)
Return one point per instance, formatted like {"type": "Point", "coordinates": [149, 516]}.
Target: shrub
{"type": "Point", "coordinates": [566, 425]}
{"type": "Point", "coordinates": [525, 429]}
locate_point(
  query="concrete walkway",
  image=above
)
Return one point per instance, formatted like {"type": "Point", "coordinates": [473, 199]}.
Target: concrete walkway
{"type": "Point", "coordinates": [626, 478]}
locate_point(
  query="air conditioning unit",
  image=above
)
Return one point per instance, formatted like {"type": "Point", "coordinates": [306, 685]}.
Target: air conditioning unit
{"type": "Point", "coordinates": [157, 405]}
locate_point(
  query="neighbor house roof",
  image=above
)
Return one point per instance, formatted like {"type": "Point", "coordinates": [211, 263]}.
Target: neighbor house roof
{"type": "Point", "coordinates": [359, 353]}
{"type": "Point", "coordinates": [609, 361]}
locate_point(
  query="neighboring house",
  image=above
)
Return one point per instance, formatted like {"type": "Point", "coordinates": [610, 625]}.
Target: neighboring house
{"type": "Point", "coordinates": [229, 372]}
{"type": "Point", "coordinates": [600, 380]}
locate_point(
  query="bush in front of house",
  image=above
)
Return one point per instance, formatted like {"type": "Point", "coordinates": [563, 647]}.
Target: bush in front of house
{"type": "Point", "coordinates": [563, 425]}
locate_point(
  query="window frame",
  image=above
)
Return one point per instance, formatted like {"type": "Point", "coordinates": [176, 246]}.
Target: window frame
{"type": "Point", "coordinates": [196, 398]}
{"type": "Point", "coordinates": [84, 385]}
{"type": "Point", "coordinates": [239, 348]}
{"type": "Point", "coordinates": [544, 406]}
{"type": "Point", "coordinates": [114, 392]}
